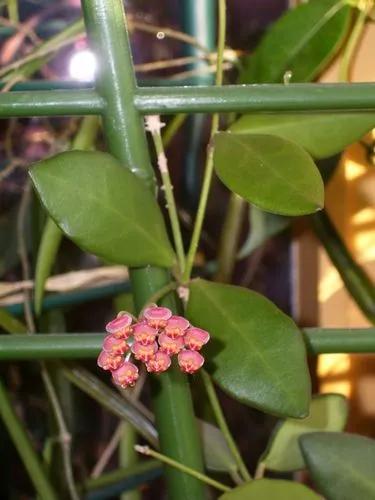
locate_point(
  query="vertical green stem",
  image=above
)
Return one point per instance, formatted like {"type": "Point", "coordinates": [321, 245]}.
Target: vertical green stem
{"type": "Point", "coordinates": [210, 152]}
{"type": "Point", "coordinates": [365, 7]}
{"type": "Point", "coordinates": [154, 125]}
{"type": "Point", "coordinates": [21, 440]}
{"type": "Point", "coordinates": [229, 238]}
{"type": "Point", "coordinates": [125, 135]}
{"type": "Point", "coordinates": [219, 415]}
{"type": "Point", "coordinates": [128, 456]}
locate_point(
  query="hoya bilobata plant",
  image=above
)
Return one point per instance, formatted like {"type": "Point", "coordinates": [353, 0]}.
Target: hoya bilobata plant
{"type": "Point", "coordinates": [230, 335]}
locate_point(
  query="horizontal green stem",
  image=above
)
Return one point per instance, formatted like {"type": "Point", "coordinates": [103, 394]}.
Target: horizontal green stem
{"type": "Point", "coordinates": [88, 345]}
{"type": "Point", "coordinates": [167, 100]}
{"type": "Point", "coordinates": [76, 297]}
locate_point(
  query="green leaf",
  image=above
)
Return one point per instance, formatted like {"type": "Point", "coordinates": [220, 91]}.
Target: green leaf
{"type": "Point", "coordinates": [302, 41]}
{"type": "Point", "coordinates": [11, 324]}
{"type": "Point", "coordinates": [270, 489]}
{"type": "Point", "coordinates": [274, 174]}
{"type": "Point", "coordinates": [342, 465]}
{"type": "Point", "coordinates": [217, 455]}
{"type": "Point", "coordinates": [321, 134]}
{"type": "Point", "coordinates": [263, 226]}
{"type": "Point", "coordinates": [251, 341]}
{"type": "Point", "coordinates": [328, 412]}
{"type": "Point", "coordinates": [104, 208]}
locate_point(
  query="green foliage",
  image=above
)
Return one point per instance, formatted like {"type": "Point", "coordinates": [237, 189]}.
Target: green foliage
{"type": "Point", "coordinates": [217, 455]}
{"type": "Point", "coordinates": [263, 226]}
{"type": "Point", "coordinates": [251, 340]}
{"type": "Point", "coordinates": [328, 412]}
{"type": "Point", "coordinates": [302, 41]}
{"type": "Point", "coordinates": [270, 489]}
{"type": "Point", "coordinates": [104, 208]}
{"type": "Point", "coordinates": [321, 134]}
{"type": "Point", "coordinates": [342, 465]}
{"type": "Point", "coordinates": [274, 174]}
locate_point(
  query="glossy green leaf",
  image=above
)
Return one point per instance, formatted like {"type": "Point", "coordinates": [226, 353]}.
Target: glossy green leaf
{"type": "Point", "coordinates": [270, 489]}
{"type": "Point", "coordinates": [342, 465]}
{"type": "Point", "coordinates": [328, 412]}
{"type": "Point", "coordinates": [303, 41]}
{"type": "Point", "coordinates": [263, 226]}
{"type": "Point", "coordinates": [251, 340]}
{"type": "Point", "coordinates": [321, 134]}
{"type": "Point", "coordinates": [104, 208]}
{"type": "Point", "coordinates": [272, 173]}
{"type": "Point", "coordinates": [217, 455]}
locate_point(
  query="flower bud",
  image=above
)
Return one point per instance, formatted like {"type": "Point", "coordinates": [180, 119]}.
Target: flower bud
{"type": "Point", "coordinates": [159, 363]}
{"type": "Point", "coordinates": [115, 346]}
{"type": "Point", "coordinates": [195, 338]}
{"type": "Point", "coordinates": [190, 361]}
{"type": "Point", "coordinates": [176, 326]}
{"type": "Point", "coordinates": [157, 317]}
{"type": "Point", "coordinates": [144, 334]}
{"type": "Point", "coordinates": [120, 327]}
{"type": "Point", "coordinates": [170, 346]}
{"type": "Point", "coordinates": [108, 362]}
{"type": "Point", "coordinates": [144, 352]}
{"type": "Point", "coordinates": [126, 375]}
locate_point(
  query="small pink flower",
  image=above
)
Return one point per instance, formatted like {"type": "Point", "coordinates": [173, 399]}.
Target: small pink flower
{"type": "Point", "coordinates": [190, 361]}
{"type": "Point", "coordinates": [176, 326]}
{"type": "Point", "coordinates": [170, 346]}
{"type": "Point", "coordinates": [144, 334]}
{"type": "Point", "coordinates": [159, 363]}
{"type": "Point", "coordinates": [120, 327]}
{"type": "Point", "coordinates": [126, 375]}
{"type": "Point", "coordinates": [144, 352]}
{"type": "Point", "coordinates": [108, 362]}
{"type": "Point", "coordinates": [195, 338]}
{"type": "Point", "coordinates": [157, 317]}
{"type": "Point", "coordinates": [114, 346]}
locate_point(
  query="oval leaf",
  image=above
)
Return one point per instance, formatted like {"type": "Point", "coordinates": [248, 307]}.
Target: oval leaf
{"type": "Point", "coordinates": [270, 489]}
{"type": "Point", "coordinates": [342, 465]}
{"type": "Point", "coordinates": [321, 134]}
{"type": "Point", "coordinates": [328, 412]}
{"type": "Point", "coordinates": [302, 41]}
{"type": "Point", "coordinates": [217, 455]}
{"type": "Point", "coordinates": [251, 339]}
{"type": "Point", "coordinates": [103, 207]}
{"type": "Point", "coordinates": [274, 174]}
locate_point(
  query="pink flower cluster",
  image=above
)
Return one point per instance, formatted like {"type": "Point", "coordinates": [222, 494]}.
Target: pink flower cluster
{"type": "Point", "coordinates": [156, 337]}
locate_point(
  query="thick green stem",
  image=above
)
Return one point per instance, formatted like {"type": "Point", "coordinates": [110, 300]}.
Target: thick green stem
{"type": "Point", "coordinates": [355, 279]}
{"type": "Point", "coordinates": [210, 152]}
{"type": "Point", "coordinates": [21, 440]}
{"type": "Point", "coordinates": [220, 419]}
{"type": "Point", "coordinates": [125, 135]}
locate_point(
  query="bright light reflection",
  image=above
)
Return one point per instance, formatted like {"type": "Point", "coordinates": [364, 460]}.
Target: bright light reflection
{"type": "Point", "coordinates": [82, 66]}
